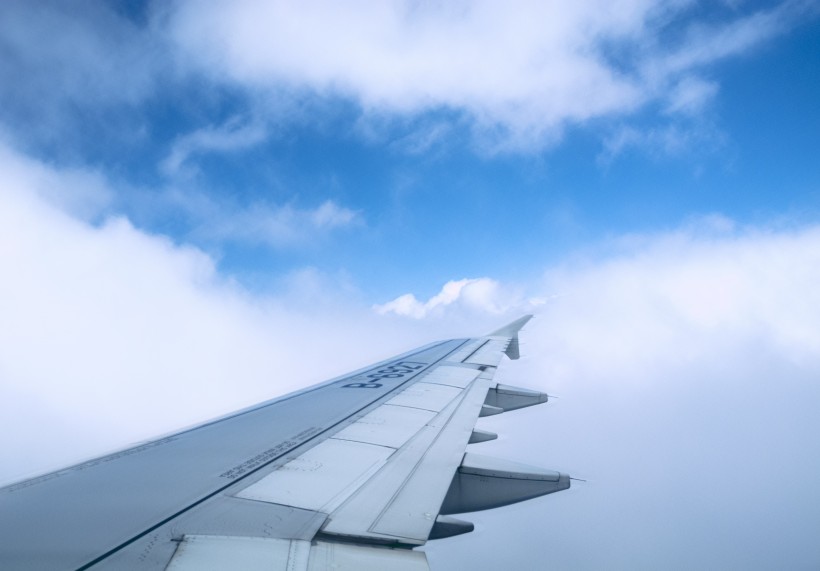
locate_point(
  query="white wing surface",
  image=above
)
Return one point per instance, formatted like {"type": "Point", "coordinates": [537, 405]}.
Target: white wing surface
{"type": "Point", "coordinates": [350, 474]}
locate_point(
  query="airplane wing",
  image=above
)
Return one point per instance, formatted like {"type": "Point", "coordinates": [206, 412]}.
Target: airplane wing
{"type": "Point", "coordinates": [349, 474]}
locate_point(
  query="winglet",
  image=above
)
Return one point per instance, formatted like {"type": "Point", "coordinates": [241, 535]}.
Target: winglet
{"type": "Point", "coordinates": [511, 330]}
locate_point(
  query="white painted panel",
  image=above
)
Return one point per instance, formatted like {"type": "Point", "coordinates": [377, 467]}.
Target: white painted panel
{"type": "Point", "coordinates": [322, 477]}
{"type": "Point", "coordinates": [465, 351]}
{"type": "Point", "coordinates": [218, 553]}
{"type": "Point", "coordinates": [341, 557]}
{"type": "Point", "coordinates": [459, 377]}
{"type": "Point", "coordinates": [427, 396]}
{"type": "Point", "coordinates": [388, 425]}
{"type": "Point", "coordinates": [412, 506]}
{"type": "Point", "coordinates": [224, 553]}
{"type": "Point", "coordinates": [490, 354]}
{"type": "Point", "coordinates": [403, 499]}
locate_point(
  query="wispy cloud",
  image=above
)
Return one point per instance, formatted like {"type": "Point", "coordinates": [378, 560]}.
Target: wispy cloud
{"type": "Point", "coordinates": [669, 140]}
{"type": "Point", "coordinates": [211, 220]}
{"type": "Point", "coordinates": [280, 226]}
{"type": "Point", "coordinates": [690, 95]}
{"type": "Point", "coordinates": [707, 43]}
{"type": "Point", "coordinates": [234, 135]}
{"type": "Point", "coordinates": [424, 139]}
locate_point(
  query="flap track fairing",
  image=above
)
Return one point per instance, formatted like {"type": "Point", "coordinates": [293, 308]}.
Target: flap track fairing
{"type": "Point", "coordinates": [484, 482]}
{"type": "Point", "coordinates": [508, 398]}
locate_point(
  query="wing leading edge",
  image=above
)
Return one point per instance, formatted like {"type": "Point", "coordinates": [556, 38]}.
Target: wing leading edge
{"type": "Point", "coordinates": [350, 474]}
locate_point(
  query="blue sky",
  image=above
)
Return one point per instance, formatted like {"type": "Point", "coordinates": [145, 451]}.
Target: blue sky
{"type": "Point", "coordinates": [199, 199]}
{"type": "Point", "coordinates": [668, 112]}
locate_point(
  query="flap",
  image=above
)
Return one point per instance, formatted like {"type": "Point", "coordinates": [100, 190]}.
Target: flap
{"type": "Point", "coordinates": [385, 476]}
{"type": "Point", "coordinates": [219, 552]}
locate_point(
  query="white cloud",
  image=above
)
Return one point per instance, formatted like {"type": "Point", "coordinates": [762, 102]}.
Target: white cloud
{"type": "Point", "coordinates": [80, 192]}
{"type": "Point", "coordinates": [520, 71]}
{"type": "Point", "coordinates": [476, 294]}
{"type": "Point", "coordinates": [692, 294]}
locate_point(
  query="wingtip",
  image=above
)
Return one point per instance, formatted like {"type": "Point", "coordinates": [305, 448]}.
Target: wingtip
{"type": "Point", "coordinates": [512, 329]}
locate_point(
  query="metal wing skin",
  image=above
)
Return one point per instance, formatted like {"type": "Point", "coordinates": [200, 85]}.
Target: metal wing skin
{"type": "Point", "coordinates": [350, 474]}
